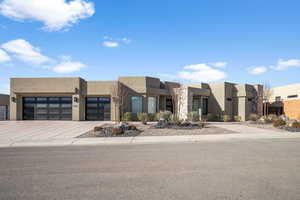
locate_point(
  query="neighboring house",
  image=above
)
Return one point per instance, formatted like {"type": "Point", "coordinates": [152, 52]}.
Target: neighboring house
{"type": "Point", "coordinates": [77, 99]}
{"type": "Point", "coordinates": [285, 100]}
{"type": "Point", "coordinates": [4, 107]}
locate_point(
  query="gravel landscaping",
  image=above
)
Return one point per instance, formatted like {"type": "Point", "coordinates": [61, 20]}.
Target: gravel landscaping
{"type": "Point", "coordinates": [150, 130]}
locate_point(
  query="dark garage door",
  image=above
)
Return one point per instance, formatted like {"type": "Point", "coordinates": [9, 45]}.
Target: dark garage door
{"type": "Point", "coordinates": [47, 108]}
{"type": "Point", "coordinates": [98, 108]}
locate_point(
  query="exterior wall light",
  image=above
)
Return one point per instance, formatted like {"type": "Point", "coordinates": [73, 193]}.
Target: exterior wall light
{"type": "Point", "coordinates": [76, 90]}
{"type": "Point", "coordinates": [13, 99]}
{"type": "Point", "coordinates": [76, 99]}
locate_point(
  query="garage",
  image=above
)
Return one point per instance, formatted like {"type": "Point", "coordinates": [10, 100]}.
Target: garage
{"type": "Point", "coordinates": [47, 108]}
{"type": "Point", "coordinates": [98, 108]}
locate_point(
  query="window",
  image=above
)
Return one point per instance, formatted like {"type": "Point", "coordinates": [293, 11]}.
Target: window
{"type": "Point", "coordinates": [205, 106]}
{"type": "Point", "coordinates": [169, 104]}
{"type": "Point", "coordinates": [151, 105]}
{"type": "Point", "coordinates": [292, 96]}
{"type": "Point", "coordinates": [278, 98]}
{"type": "Point", "coordinates": [136, 104]}
{"type": "Point", "coordinates": [196, 104]}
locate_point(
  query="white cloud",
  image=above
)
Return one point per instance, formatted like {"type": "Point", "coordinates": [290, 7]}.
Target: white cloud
{"type": "Point", "coordinates": [219, 64]}
{"type": "Point", "coordinates": [24, 51]}
{"type": "Point", "coordinates": [3, 56]}
{"type": "Point", "coordinates": [65, 67]}
{"type": "Point", "coordinates": [54, 14]}
{"type": "Point", "coordinates": [284, 64]}
{"type": "Point", "coordinates": [258, 70]}
{"type": "Point", "coordinates": [126, 40]}
{"type": "Point", "coordinates": [115, 42]}
{"type": "Point", "coordinates": [197, 67]}
{"type": "Point", "coordinates": [202, 72]}
{"type": "Point", "coordinates": [110, 44]}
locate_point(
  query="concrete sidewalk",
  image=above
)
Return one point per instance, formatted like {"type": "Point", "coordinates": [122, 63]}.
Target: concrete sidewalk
{"type": "Point", "coordinates": [151, 139]}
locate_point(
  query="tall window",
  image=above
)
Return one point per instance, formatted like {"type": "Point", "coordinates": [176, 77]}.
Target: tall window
{"type": "Point", "coordinates": [136, 104]}
{"type": "Point", "coordinates": [151, 105]}
{"type": "Point", "coordinates": [196, 104]}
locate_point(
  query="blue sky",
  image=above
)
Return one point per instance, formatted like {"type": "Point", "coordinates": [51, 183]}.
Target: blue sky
{"type": "Point", "coordinates": [249, 41]}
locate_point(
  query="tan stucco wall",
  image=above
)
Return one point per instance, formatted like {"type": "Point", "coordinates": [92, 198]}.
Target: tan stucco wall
{"type": "Point", "coordinates": [285, 91]}
{"type": "Point", "coordinates": [4, 100]}
{"type": "Point", "coordinates": [291, 109]}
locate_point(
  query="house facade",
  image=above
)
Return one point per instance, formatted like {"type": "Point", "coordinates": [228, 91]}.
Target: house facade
{"type": "Point", "coordinates": [77, 99]}
{"type": "Point", "coordinates": [4, 107]}
{"type": "Point", "coordinates": [285, 100]}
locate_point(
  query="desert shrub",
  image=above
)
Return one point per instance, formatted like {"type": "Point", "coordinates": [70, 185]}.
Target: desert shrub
{"type": "Point", "coordinates": [226, 118]}
{"type": "Point", "coordinates": [253, 117]}
{"type": "Point", "coordinates": [127, 116]}
{"type": "Point", "coordinates": [152, 117]}
{"type": "Point", "coordinates": [157, 116]}
{"type": "Point", "coordinates": [193, 116]}
{"type": "Point", "coordinates": [166, 115]}
{"type": "Point", "coordinates": [98, 128]}
{"type": "Point", "coordinates": [272, 117]}
{"type": "Point", "coordinates": [201, 124]}
{"type": "Point", "coordinates": [237, 118]}
{"type": "Point", "coordinates": [279, 122]}
{"type": "Point", "coordinates": [296, 124]}
{"type": "Point", "coordinates": [143, 117]}
{"type": "Point", "coordinates": [265, 120]}
{"type": "Point", "coordinates": [213, 117]}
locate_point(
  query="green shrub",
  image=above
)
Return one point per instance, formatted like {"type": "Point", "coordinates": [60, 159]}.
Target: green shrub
{"type": "Point", "coordinates": [253, 117]}
{"type": "Point", "coordinates": [213, 117]}
{"type": "Point", "coordinates": [127, 116]}
{"type": "Point", "coordinates": [157, 116]}
{"type": "Point", "coordinates": [143, 117]}
{"type": "Point", "coordinates": [193, 116]}
{"type": "Point", "coordinates": [226, 118]}
{"type": "Point", "coordinates": [279, 122]}
{"type": "Point", "coordinates": [296, 124]}
{"type": "Point", "coordinates": [272, 117]}
{"type": "Point", "coordinates": [237, 118]}
{"type": "Point", "coordinates": [152, 117]}
{"type": "Point", "coordinates": [201, 124]}
{"type": "Point", "coordinates": [166, 115]}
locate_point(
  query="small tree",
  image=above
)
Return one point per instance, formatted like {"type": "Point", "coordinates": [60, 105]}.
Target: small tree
{"type": "Point", "coordinates": [119, 95]}
{"type": "Point", "coordinates": [267, 93]}
{"type": "Point", "coordinates": [177, 100]}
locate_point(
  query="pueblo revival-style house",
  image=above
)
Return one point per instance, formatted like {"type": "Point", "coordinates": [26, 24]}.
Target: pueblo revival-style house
{"type": "Point", "coordinates": [78, 99]}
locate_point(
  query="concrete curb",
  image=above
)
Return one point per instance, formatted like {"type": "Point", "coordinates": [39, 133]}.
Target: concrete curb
{"type": "Point", "coordinates": [148, 140]}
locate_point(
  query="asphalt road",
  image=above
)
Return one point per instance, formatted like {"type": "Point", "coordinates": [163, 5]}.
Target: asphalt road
{"type": "Point", "coordinates": [252, 170]}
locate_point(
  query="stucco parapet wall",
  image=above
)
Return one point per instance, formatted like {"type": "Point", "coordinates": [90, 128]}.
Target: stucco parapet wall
{"type": "Point", "coordinates": [100, 87]}
{"type": "Point", "coordinates": [46, 85]}
{"type": "Point", "coordinates": [4, 100]}
{"type": "Point", "coordinates": [198, 91]}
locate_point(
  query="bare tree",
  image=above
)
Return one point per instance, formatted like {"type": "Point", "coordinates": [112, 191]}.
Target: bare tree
{"type": "Point", "coordinates": [177, 100]}
{"type": "Point", "coordinates": [119, 95]}
{"type": "Point", "coordinates": [267, 93]}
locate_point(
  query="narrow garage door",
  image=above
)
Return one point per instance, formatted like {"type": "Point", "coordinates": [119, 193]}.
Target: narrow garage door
{"type": "Point", "coordinates": [47, 108]}
{"type": "Point", "coordinates": [98, 108]}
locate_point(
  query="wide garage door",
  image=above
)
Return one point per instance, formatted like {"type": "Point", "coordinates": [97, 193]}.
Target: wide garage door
{"type": "Point", "coordinates": [98, 108]}
{"type": "Point", "coordinates": [47, 108]}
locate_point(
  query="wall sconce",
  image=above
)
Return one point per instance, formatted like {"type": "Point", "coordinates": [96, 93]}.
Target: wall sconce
{"type": "Point", "coordinates": [76, 90]}
{"type": "Point", "coordinates": [13, 99]}
{"type": "Point", "coordinates": [76, 99]}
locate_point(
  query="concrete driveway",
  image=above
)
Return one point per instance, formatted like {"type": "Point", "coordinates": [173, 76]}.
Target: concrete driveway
{"type": "Point", "coordinates": [15, 131]}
